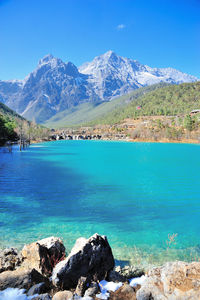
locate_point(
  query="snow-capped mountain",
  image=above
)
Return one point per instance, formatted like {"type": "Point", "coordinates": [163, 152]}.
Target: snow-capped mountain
{"type": "Point", "coordinates": [55, 86]}
{"type": "Point", "coordinates": [113, 75]}
{"type": "Point", "coordinates": [52, 87]}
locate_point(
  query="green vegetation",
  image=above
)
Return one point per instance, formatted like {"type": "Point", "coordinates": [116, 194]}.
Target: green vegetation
{"type": "Point", "coordinates": [9, 121]}
{"type": "Point", "coordinates": [157, 112]}
{"type": "Point", "coordinates": [7, 127]}
{"type": "Point", "coordinates": [166, 127]}
{"type": "Point", "coordinates": [189, 123]}
{"type": "Point", "coordinates": [87, 112]}
{"type": "Point", "coordinates": [166, 101]}
{"type": "Point", "coordinates": [13, 127]}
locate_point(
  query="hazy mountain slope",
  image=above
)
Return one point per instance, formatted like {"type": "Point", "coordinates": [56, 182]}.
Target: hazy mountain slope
{"type": "Point", "coordinates": [170, 100]}
{"type": "Point", "coordinates": [86, 112]}
{"type": "Point", "coordinates": [55, 86]}
{"type": "Point", "coordinates": [10, 89]}
{"type": "Point", "coordinates": [8, 112]}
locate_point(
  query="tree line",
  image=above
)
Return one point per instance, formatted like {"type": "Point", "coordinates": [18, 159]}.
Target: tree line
{"type": "Point", "coordinates": [14, 129]}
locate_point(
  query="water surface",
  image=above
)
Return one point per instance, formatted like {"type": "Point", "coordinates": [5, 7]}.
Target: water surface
{"type": "Point", "coordinates": [135, 193]}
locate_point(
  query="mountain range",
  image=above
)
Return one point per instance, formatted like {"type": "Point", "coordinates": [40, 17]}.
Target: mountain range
{"type": "Point", "coordinates": [55, 87]}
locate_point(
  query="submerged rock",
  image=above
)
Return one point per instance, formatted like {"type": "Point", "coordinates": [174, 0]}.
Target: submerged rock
{"type": "Point", "coordinates": [91, 258]}
{"type": "Point", "coordinates": [175, 280]}
{"type": "Point", "coordinates": [9, 259]}
{"type": "Point", "coordinates": [129, 271]}
{"type": "Point", "coordinates": [43, 255]}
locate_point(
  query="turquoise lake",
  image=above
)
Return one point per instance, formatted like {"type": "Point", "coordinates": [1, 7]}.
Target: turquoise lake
{"type": "Point", "coordinates": [138, 194]}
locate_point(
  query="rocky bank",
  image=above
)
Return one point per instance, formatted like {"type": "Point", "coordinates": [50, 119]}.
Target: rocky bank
{"type": "Point", "coordinates": [42, 271]}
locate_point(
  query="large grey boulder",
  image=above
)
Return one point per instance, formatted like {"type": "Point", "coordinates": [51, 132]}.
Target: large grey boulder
{"type": "Point", "coordinates": [91, 258]}
{"type": "Point", "coordinates": [173, 281]}
{"type": "Point", "coordinates": [43, 255]}
{"type": "Point", "coordinates": [22, 279]}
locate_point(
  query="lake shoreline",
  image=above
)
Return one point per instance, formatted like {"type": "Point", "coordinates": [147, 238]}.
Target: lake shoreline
{"type": "Point", "coordinates": [127, 139]}
{"type": "Point", "coordinates": [163, 141]}
{"type": "Point", "coordinates": [126, 203]}
{"type": "Point", "coordinates": [44, 271]}
{"type": "Point", "coordinates": [167, 141]}
{"type": "Point", "coordinates": [138, 140]}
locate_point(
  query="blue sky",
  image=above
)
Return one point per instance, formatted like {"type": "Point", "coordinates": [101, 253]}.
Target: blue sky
{"type": "Point", "coordinates": [159, 33]}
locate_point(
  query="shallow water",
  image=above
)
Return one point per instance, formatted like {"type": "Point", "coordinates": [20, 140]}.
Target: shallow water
{"type": "Point", "coordinates": [135, 193]}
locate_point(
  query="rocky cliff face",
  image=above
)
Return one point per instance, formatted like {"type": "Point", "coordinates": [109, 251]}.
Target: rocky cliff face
{"type": "Point", "coordinates": [55, 86]}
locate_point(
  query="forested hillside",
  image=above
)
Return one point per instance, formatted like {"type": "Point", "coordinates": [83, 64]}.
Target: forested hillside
{"type": "Point", "coordinates": [87, 112]}
{"type": "Point", "coordinates": [9, 121]}
{"type": "Point", "coordinates": [13, 126]}
{"type": "Point", "coordinates": [170, 100]}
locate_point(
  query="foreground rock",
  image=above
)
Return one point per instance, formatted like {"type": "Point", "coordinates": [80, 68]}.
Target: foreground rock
{"type": "Point", "coordinates": [63, 295]}
{"type": "Point", "coordinates": [9, 259]}
{"type": "Point", "coordinates": [81, 286]}
{"type": "Point", "coordinates": [90, 258]}
{"type": "Point", "coordinates": [22, 279]}
{"type": "Point", "coordinates": [116, 276]}
{"type": "Point", "coordinates": [92, 290]}
{"type": "Point", "coordinates": [126, 292]}
{"type": "Point", "coordinates": [176, 280]}
{"type": "Point", "coordinates": [82, 274]}
{"type": "Point", "coordinates": [43, 255]}
{"type": "Point", "coordinates": [39, 288]}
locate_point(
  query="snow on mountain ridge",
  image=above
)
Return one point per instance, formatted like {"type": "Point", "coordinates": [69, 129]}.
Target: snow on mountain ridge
{"type": "Point", "coordinates": [52, 87]}
{"type": "Point", "coordinates": [55, 85]}
{"type": "Point", "coordinates": [110, 71]}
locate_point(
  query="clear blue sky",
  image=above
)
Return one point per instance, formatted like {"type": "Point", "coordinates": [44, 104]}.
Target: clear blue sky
{"type": "Point", "coordinates": [159, 33]}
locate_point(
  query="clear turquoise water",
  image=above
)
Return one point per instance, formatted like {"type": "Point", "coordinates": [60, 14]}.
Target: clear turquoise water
{"type": "Point", "coordinates": [135, 193]}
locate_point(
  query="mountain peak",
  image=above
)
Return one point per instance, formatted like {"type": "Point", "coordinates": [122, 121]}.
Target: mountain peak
{"type": "Point", "coordinates": [50, 61]}
{"type": "Point", "coordinates": [56, 85]}
{"type": "Point", "coordinates": [109, 53]}
{"type": "Point", "coordinates": [47, 58]}
{"type": "Point", "coordinates": [109, 56]}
